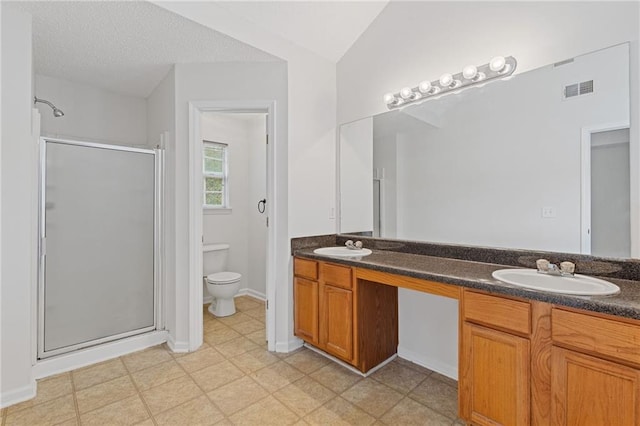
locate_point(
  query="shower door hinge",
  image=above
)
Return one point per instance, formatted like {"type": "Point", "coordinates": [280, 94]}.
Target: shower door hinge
{"type": "Point", "coordinates": [267, 138]}
{"type": "Point", "coordinates": [267, 221]}
{"type": "Point", "coordinates": [267, 304]}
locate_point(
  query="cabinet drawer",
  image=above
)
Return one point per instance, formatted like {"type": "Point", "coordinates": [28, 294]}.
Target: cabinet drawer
{"type": "Point", "coordinates": [497, 311]}
{"type": "Point", "coordinates": [594, 334]}
{"type": "Point", "coordinates": [305, 268]}
{"type": "Point", "coordinates": [339, 276]}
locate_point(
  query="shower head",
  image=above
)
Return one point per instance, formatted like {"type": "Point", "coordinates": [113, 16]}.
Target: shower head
{"type": "Point", "coordinates": [56, 112]}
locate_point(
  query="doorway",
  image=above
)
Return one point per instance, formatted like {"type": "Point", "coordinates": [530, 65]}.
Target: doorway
{"type": "Point", "coordinates": [254, 250]}
{"type": "Point", "coordinates": [606, 193]}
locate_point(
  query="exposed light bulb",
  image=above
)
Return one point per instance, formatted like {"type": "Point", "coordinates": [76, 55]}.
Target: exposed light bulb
{"type": "Point", "coordinates": [469, 72]}
{"type": "Point", "coordinates": [497, 64]}
{"type": "Point", "coordinates": [406, 93]}
{"type": "Point", "coordinates": [424, 86]}
{"type": "Point", "coordinates": [446, 80]}
{"type": "Point", "coordinates": [389, 98]}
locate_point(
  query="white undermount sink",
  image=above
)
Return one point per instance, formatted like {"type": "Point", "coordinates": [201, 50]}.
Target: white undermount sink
{"type": "Point", "coordinates": [342, 251]}
{"type": "Point", "coordinates": [577, 284]}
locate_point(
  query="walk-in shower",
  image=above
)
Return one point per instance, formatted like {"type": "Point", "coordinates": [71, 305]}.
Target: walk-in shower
{"type": "Point", "coordinates": [99, 257]}
{"type": "Point", "coordinates": [56, 111]}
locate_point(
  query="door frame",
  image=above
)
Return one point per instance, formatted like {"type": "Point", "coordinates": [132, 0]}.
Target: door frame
{"type": "Point", "coordinates": [195, 211]}
{"type": "Point", "coordinates": [585, 178]}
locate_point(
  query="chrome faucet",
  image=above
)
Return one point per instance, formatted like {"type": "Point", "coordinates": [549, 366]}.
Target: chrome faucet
{"type": "Point", "coordinates": [565, 269]}
{"type": "Point", "coordinates": [353, 246]}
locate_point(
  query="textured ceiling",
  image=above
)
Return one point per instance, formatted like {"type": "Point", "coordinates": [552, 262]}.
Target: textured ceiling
{"type": "Point", "coordinates": [126, 47]}
{"type": "Point", "coordinates": [327, 28]}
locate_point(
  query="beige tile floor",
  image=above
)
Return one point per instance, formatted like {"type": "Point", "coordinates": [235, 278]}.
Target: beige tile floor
{"type": "Point", "coordinates": [233, 379]}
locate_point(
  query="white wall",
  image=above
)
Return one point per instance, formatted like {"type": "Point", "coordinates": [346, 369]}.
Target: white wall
{"type": "Point", "coordinates": [220, 82]}
{"type": "Point", "coordinates": [91, 113]}
{"type": "Point", "coordinates": [18, 208]}
{"type": "Point", "coordinates": [242, 227]}
{"type": "Point", "coordinates": [306, 171]}
{"type": "Point", "coordinates": [482, 175]}
{"type": "Point", "coordinates": [536, 33]}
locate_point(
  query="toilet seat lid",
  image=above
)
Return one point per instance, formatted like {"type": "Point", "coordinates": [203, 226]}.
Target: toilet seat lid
{"type": "Point", "coordinates": [223, 277]}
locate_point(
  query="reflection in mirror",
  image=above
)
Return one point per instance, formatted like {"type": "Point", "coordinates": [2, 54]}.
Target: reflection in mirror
{"type": "Point", "coordinates": [539, 161]}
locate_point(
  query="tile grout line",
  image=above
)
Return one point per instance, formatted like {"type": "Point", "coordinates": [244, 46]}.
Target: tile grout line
{"type": "Point", "coordinates": [139, 393]}
{"type": "Point", "coordinates": [200, 387]}
{"type": "Point", "coordinates": [152, 416]}
{"type": "Point", "coordinates": [291, 409]}
{"type": "Point", "coordinates": [248, 375]}
{"type": "Point", "coordinates": [104, 405]}
{"type": "Point", "coordinates": [75, 398]}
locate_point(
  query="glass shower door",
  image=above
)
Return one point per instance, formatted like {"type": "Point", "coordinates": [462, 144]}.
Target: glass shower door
{"type": "Point", "coordinates": [97, 280]}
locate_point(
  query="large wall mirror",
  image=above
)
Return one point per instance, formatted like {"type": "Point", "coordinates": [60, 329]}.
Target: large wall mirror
{"type": "Point", "coordinates": [540, 161]}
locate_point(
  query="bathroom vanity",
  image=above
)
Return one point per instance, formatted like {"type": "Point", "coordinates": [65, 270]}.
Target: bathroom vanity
{"type": "Point", "coordinates": [525, 357]}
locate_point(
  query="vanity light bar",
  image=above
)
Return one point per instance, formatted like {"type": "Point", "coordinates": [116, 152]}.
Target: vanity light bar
{"type": "Point", "coordinates": [498, 67]}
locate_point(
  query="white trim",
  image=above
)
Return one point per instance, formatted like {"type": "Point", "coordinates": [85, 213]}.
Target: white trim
{"type": "Point", "coordinates": [103, 352]}
{"type": "Point", "coordinates": [433, 364]}
{"type": "Point", "coordinates": [251, 293]}
{"type": "Point", "coordinates": [35, 238]}
{"type": "Point", "coordinates": [15, 396]}
{"type": "Point", "coordinates": [585, 179]}
{"type": "Point", "coordinates": [289, 346]}
{"type": "Point", "coordinates": [348, 366]}
{"type": "Point", "coordinates": [177, 347]}
{"type": "Point", "coordinates": [242, 292]}
{"type": "Point", "coordinates": [216, 210]}
{"type": "Point", "coordinates": [196, 216]}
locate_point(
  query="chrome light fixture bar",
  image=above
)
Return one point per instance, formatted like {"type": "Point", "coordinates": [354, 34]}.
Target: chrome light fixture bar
{"type": "Point", "coordinates": [498, 67]}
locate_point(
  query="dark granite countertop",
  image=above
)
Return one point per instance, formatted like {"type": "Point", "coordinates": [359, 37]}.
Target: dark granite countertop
{"type": "Point", "coordinates": [471, 274]}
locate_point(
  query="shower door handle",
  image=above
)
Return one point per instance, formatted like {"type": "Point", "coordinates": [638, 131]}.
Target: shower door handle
{"type": "Point", "coordinates": [262, 205]}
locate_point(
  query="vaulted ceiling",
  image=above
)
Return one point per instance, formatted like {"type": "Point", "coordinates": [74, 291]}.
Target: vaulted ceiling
{"type": "Point", "coordinates": [129, 46]}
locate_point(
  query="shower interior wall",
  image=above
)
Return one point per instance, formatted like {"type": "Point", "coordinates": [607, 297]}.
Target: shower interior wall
{"type": "Point", "coordinates": [91, 113]}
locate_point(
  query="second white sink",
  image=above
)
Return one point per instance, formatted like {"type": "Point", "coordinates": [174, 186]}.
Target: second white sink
{"type": "Point", "coordinates": [342, 251]}
{"type": "Point", "coordinates": [576, 285]}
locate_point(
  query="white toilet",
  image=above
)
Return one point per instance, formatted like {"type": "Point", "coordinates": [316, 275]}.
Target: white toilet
{"type": "Point", "coordinates": [221, 285]}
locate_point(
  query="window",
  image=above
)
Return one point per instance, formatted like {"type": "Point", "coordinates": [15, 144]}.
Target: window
{"type": "Point", "coordinates": [215, 173]}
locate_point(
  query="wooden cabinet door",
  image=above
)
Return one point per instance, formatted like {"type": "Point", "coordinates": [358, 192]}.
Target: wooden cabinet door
{"type": "Point", "coordinates": [336, 321]}
{"type": "Point", "coordinates": [305, 317]}
{"type": "Point", "coordinates": [494, 378]}
{"type": "Point", "coordinates": [591, 391]}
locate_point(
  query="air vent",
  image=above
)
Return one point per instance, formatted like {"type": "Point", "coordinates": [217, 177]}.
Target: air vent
{"type": "Point", "coordinates": [561, 63]}
{"type": "Point", "coordinates": [578, 89]}
{"type": "Point", "coordinates": [586, 87]}
{"type": "Point", "coordinates": [571, 90]}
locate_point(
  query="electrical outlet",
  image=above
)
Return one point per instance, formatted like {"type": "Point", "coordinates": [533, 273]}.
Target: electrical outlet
{"type": "Point", "coordinates": [548, 212]}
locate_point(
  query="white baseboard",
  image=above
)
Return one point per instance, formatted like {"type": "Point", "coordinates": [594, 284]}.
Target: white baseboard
{"type": "Point", "coordinates": [242, 292]}
{"type": "Point", "coordinates": [438, 366]}
{"type": "Point", "coordinates": [348, 366]}
{"type": "Point", "coordinates": [103, 352]}
{"type": "Point", "coordinates": [178, 347]}
{"type": "Point", "coordinates": [253, 293]}
{"type": "Point", "coordinates": [289, 346]}
{"type": "Point", "coordinates": [18, 395]}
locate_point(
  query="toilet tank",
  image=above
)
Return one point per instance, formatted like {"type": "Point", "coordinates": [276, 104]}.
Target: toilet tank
{"type": "Point", "coordinates": [214, 258]}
